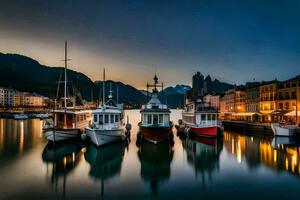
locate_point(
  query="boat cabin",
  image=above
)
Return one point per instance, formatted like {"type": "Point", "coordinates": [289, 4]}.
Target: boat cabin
{"type": "Point", "coordinates": [200, 113]}
{"type": "Point", "coordinates": [71, 119]}
{"type": "Point", "coordinates": [206, 115]}
{"type": "Point", "coordinates": [154, 113]}
{"type": "Point", "coordinates": [107, 117]}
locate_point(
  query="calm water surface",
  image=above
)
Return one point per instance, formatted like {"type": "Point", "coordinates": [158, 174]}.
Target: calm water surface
{"type": "Point", "coordinates": [236, 167]}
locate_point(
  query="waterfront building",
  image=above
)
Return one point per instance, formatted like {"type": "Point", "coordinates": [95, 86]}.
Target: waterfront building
{"type": "Point", "coordinates": [227, 104]}
{"type": "Point", "coordinates": [213, 100]}
{"type": "Point", "coordinates": [1, 97]}
{"type": "Point", "coordinates": [239, 104]}
{"type": "Point", "coordinates": [287, 94]}
{"type": "Point", "coordinates": [7, 97]}
{"type": "Point", "coordinates": [198, 84]}
{"type": "Point", "coordinates": [252, 101]}
{"type": "Point", "coordinates": [267, 105]}
{"type": "Point", "coordinates": [33, 100]}
{"type": "Point", "coordinates": [13, 98]}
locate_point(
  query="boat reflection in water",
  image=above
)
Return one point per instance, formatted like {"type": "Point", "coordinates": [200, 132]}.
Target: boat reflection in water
{"type": "Point", "coordinates": [276, 153]}
{"type": "Point", "coordinates": [203, 153]}
{"type": "Point", "coordinates": [155, 162]}
{"type": "Point", "coordinates": [105, 161]}
{"type": "Point", "coordinates": [61, 159]}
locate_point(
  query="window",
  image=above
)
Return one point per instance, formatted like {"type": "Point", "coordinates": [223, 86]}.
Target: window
{"type": "Point", "coordinates": [160, 118]}
{"type": "Point", "coordinates": [100, 119]}
{"type": "Point", "coordinates": [116, 118]}
{"type": "Point", "coordinates": [280, 106]}
{"type": "Point", "coordinates": [293, 95]}
{"type": "Point", "coordinates": [287, 105]}
{"type": "Point", "coordinates": [155, 119]}
{"type": "Point", "coordinates": [213, 117]}
{"type": "Point", "coordinates": [61, 117]}
{"type": "Point", "coordinates": [209, 117]}
{"type": "Point", "coordinates": [203, 117]}
{"type": "Point", "coordinates": [149, 120]}
{"type": "Point", "coordinates": [95, 118]}
{"type": "Point", "coordinates": [106, 119]}
{"type": "Point", "coordinates": [111, 118]}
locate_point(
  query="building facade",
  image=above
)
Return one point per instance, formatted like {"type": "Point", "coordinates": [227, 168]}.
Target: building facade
{"type": "Point", "coordinates": [13, 98]}
{"type": "Point", "coordinates": [288, 99]}
{"type": "Point", "coordinates": [227, 104]}
{"type": "Point", "coordinates": [267, 105]}
{"type": "Point", "coordinates": [213, 100]}
{"type": "Point", "coordinates": [252, 101]}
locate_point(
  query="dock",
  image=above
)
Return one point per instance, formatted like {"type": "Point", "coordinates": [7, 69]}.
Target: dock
{"type": "Point", "coordinates": [248, 127]}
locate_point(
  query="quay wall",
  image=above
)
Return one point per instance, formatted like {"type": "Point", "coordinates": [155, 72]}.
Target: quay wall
{"type": "Point", "coordinates": [248, 128]}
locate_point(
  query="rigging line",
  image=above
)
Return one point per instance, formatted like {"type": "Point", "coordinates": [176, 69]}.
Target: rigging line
{"type": "Point", "coordinates": [58, 86]}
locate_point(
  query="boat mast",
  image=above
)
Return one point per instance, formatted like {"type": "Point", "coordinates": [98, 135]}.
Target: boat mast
{"type": "Point", "coordinates": [103, 88]}
{"type": "Point", "coordinates": [65, 88]}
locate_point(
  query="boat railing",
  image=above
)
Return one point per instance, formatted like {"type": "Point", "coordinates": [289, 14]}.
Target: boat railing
{"type": "Point", "coordinates": [152, 106]}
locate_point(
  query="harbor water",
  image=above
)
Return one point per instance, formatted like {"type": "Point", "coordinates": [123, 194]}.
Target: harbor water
{"type": "Point", "coordinates": [238, 166]}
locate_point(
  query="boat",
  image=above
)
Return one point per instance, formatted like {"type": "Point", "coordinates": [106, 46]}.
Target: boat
{"type": "Point", "coordinates": [200, 119]}
{"type": "Point", "coordinates": [20, 116]}
{"type": "Point", "coordinates": [287, 130]}
{"type": "Point", "coordinates": [42, 116]}
{"type": "Point", "coordinates": [283, 130]}
{"type": "Point", "coordinates": [68, 122]}
{"type": "Point", "coordinates": [155, 125]}
{"type": "Point", "coordinates": [107, 125]}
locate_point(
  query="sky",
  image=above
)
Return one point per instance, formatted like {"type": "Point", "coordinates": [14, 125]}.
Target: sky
{"type": "Point", "coordinates": [233, 41]}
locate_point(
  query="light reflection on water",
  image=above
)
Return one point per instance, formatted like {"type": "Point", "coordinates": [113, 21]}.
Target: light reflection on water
{"type": "Point", "coordinates": [236, 166]}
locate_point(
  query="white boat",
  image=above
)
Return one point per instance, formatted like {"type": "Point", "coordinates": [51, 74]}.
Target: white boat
{"type": "Point", "coordinates": [42, 116]}
{"type": "Point", "coordinates": [106, 126]}
{"type": "Point", "coordinates": [20, 116]}
{"type": "Point", "coordinates": [199, 118]}
{"type": "Point", "coordinates": [68, 122]}
{"type": "Point", "coordinates": [280, 130]}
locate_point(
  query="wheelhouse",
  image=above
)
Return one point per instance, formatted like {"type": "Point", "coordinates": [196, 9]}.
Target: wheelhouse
{"type": "Point", "coordinates": [155, 118]}
{"type": "Point", "coordinates": [206, 115]}
{"type": "Point", "coordinates": [70, 119]}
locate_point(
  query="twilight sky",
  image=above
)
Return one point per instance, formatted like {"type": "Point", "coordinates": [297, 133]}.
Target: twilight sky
{"type": "Point", "coordinates": [234, 41]}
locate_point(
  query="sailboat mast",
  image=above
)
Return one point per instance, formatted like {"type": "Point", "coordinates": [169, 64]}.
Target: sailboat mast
{"type": "Point", "coordinates": [103, 88]}
{"type": "Point", "coordinates": [65, 89]}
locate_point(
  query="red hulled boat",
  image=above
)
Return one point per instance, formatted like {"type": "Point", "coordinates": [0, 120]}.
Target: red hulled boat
{"type": "Point", "coordinates": [155, 125]}
{"type": "Point", "coordinates": [200, 119]}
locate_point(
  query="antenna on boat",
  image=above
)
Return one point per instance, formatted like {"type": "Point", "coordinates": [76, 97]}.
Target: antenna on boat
{"type": "Point", "coordinates": [103, 88]}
